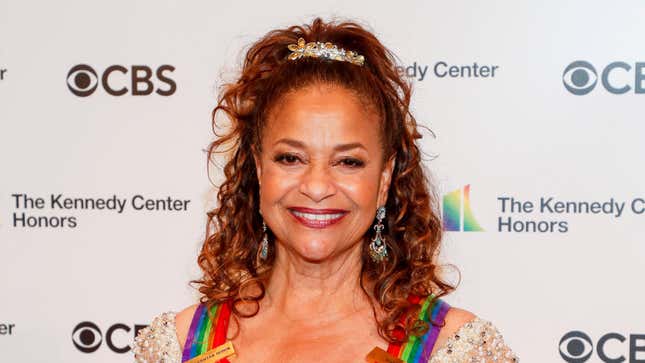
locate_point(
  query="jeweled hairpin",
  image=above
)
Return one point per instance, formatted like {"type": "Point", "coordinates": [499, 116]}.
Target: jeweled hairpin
{"type": "Point", "coordinates": [324, 50]}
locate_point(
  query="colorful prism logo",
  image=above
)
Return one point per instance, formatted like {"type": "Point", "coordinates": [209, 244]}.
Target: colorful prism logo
{"type": "Point", "coordinates": [457, 214]}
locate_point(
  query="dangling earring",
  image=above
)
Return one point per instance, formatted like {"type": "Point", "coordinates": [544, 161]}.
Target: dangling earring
{"type": "Point", "coordinates": [378, 249]}
{"type": "Point", "coordinates": [264, 245]}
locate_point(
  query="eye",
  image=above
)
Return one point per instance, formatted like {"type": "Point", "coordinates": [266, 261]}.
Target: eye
{"type": "Point", "coordinates": [82, 80]}
{"type": "Point", "coordinates": [287, 159]}
{"type": "Point", "coordinates": [352, 162]}
{"type": "Point", "coordinates": [575, 347]}
{"type": "Point", "coordinates": [87, 337]}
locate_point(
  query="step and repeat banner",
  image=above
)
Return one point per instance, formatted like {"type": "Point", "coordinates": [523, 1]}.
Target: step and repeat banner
{"type": "Point", "coordinates": [539, 115]}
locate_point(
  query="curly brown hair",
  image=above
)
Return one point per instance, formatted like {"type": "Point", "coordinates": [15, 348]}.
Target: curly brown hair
{"type": "Point", "coordinates": [229, 256]}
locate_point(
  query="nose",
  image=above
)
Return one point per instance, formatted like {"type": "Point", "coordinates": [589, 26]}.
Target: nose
{"type": "Point", "coordinates": [317, 183]}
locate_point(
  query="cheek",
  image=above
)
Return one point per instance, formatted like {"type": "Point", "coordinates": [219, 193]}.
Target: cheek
{"type": "Point", "coordinates": [276, 182]}
{"type": "Point", "coordinates": [361, 188]}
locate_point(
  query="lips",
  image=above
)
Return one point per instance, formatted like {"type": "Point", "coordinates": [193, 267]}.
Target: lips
{"type": "Point", "coordinates": [317, 218]}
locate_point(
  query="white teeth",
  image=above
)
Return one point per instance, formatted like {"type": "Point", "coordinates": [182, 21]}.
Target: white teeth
{"type": "Point", "coordinates": [317, 217]}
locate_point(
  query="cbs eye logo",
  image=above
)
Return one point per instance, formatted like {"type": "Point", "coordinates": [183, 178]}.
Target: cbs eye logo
{"type": "Point", "coordinates": [580, 78]}
{"type": "Point", "coordinates": [575, 347]}
{"type": "Point", "coordinates": [117, 80]}
{"type": "Point", "coordinates": [87, 337]}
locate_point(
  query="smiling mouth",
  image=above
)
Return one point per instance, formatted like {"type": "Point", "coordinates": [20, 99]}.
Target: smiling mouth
{"type": "Point", "coordinates": [318, 219]}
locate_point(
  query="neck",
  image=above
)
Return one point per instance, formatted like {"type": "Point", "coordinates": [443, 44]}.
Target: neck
{"type": "Point", "coordinates": [329, 290]}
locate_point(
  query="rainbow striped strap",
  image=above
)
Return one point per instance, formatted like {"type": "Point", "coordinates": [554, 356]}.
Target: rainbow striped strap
{"type": "Point", "coordinates": [207, 330]}
{"type": "Point", "coordinates": [418, 349]}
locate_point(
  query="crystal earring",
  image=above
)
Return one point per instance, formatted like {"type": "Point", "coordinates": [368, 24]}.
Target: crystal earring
{"type": "Point", "coordinates": [378, 249]}
{"type": "Point", "coordinates": [264, 245]}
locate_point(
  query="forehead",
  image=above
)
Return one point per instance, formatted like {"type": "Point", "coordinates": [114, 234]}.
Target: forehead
{"type": "Point", "coordinates": [323, 115]}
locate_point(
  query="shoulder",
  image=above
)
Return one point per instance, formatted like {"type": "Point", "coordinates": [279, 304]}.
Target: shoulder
{"type": "Point", "coordinates": [158, 341]}
{"type": "Point", "coordinates": [183, 319]}
{"type": "Point", "coordinates": [455, 319]}
{"type": "Point", "coordinates": [466, 335]}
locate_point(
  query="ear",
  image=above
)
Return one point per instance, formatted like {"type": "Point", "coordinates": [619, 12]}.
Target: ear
{"type": "Point", "coordinates": [386, 178]}
{"type": "Point", "coordinates": [258, 164]}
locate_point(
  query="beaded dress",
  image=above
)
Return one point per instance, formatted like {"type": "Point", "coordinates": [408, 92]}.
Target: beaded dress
{"type": "Point", "coordinates": [476, 341]}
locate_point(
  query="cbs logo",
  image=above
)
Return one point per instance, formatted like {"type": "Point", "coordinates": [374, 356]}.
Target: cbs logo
{"type": "Point", "coordinates": [87, 337]}
{"type": "Point", "coordinates": [580, 77]}
{"type": "Point", "coordinates": [117, 80]}
{"type": "Point", "coordinates": [577, 347]}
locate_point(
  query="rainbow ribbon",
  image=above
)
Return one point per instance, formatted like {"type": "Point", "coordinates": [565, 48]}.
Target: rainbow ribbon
{"type": "Point", "coordinates": [418, 349]}
{"type": "Point", "coordinates": [207, 330]}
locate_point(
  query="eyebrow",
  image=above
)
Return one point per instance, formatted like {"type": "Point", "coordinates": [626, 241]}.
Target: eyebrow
{"type": "Point", "coordinates": [339, 147]}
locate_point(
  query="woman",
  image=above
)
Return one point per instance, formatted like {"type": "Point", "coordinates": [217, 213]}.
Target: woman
{"type": "Point", "coordinates": [324, 242]}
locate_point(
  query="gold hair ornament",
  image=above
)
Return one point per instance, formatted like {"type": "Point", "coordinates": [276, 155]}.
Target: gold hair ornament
{"type": "Point", "coordinates": [324, 50]}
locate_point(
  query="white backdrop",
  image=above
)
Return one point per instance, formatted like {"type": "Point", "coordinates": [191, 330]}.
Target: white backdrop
{"type": "Point", "coordinates": [555, 294]}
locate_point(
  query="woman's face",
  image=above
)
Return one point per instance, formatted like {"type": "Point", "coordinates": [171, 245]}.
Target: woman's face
{"type": "Point", "coordinates": [320, 171]}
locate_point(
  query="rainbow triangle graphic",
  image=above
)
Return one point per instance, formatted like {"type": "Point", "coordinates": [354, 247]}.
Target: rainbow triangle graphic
{"type": "Point", "coordinates": [457, 214]}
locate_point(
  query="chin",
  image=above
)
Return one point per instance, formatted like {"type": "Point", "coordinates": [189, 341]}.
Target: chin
{"type": "Point", "coordinates": [315, 251]}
